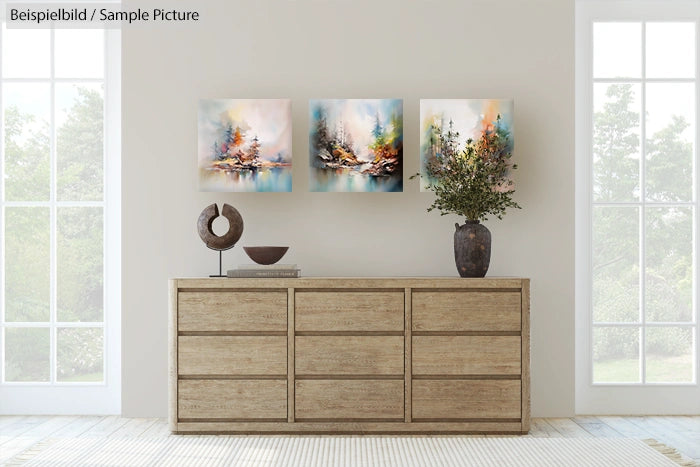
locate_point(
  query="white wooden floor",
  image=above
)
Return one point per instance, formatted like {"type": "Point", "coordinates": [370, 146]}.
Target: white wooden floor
{"type": "Point", "coordinates": [17, 433]}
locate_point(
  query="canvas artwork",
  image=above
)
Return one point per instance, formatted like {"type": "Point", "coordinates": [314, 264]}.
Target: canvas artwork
{"type": "Point", "coordinates": [448, 126]}
{"type": "Point", "coordinates": [245, 145]}
{"type": "Point", "coordinates": [356, 145]}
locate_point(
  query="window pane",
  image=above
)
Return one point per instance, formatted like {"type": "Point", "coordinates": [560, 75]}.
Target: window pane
{"type": "Point", "coordinates": [79, 268]}
{"type": "Point", "coordinates": [26, 53]}
{"type": "Point", "coordinates": [670, 140]}
{"type": "Point", "coordinates": [615, 355]}
{"type": "Point", "coordinates": [669, 264]}
{"type": "Point", "coordinates": [79, 145]}
{"type": "Point", "coordinates": [670, 50]}
{"type": "Point", "coordinates": [79, 53]}
{"type": "Point", "coordinates": [79, 354]}
{"type": "Point", "coordinates": [27, 267]}
{"type": "Point", "coordinates": [669, 355]}
{"type": "Point", "coordinates": [26, 122]}
{"type": "Point", "coordinates": [27, 354]}
{"type": "Point", "coordinates": [617, 50]}
{"type": "Point", "coordinates": [616, 139]}
{"type": "Point", "coordinates": [615, 264]}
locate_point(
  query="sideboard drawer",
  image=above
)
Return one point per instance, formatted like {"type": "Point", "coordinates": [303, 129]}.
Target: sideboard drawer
{"type": "Point", "coordinates": [242, 399]}
{"type": "Point", "coordinates": [232, 355]}
{"type": "Point", "coordinates": [349, 399]}
{"type": "Point", "coordinates": [466, 399]}
{"type": "Point", "coordinates": [348, 311]}
{"type": "Point", "coordinates": [466, 311]}
{"type": "Point", "coordinates": [232, 311]}
{"type": "Point", "coordinates": [349, 355]}
{"type": "Point", "coordinates": [466, 355]}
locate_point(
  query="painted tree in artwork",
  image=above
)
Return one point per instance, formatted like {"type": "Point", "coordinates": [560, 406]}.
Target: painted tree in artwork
{"type": "Point", "coordinates": [387, 147]}
{"type": "Point", "coordinates": [349, 143]}
{"type": "Point", "coordinates": [228, 135]}
{"type": "Point", "coordinates": [431, 146]}
{"type": "Point", "coordinates": [216, 151]}
{"type": "Point", "coordinates": [396, 135]}
{"type": "Point", "coordinates": [449, 141]}
{"type": "Point", "coordinates": [332, 149]}
{"type": "Point", "coordinates": [254, 152]}
{"type": "Point", "coordinates": [378, 131]}
{"type": "Point", "coordinates": [237, 137]}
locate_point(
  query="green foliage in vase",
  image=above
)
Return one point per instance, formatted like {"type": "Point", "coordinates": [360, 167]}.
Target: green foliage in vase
{"type": "Point", "coordinates": [474, 182]}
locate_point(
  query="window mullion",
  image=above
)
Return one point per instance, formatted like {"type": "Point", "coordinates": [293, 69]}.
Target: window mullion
{"type": "Point", "coordinates": [642, 211]}
{"type": "Point", "coordinates": [106, 356]}
{"type": "Point", "coordinates": [52, 215]}
{"type": "Point", "coordinates": [696, 174]}
{"type": "Point", "coordinates": [2, 220]}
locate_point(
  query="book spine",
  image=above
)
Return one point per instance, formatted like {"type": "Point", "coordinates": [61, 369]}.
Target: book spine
{"type": "Point", "coordinates": [257, 273]}
{"type": "Point", "coordinates": [266, 267]}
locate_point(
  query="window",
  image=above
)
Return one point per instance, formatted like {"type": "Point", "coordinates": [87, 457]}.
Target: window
{"type": "Point", "coordinates": [59, 218]}
{"type": "Point", "coordinates": [637, 163]}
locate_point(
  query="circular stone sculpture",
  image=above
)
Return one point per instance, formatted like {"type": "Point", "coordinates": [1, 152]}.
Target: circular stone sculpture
{"type": "Point", "coordinates": [227, 240]}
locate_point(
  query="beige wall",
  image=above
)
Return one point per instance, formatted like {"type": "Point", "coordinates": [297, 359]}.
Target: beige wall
{"type": "Point", "coordinates": [347, 49]}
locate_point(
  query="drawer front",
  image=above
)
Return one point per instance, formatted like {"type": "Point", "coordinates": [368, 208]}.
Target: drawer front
{"type": "Point", "coordinates": [466, 355]}
{"type": "Point", "coordinates": [232, 399]}
{"type": "Point", "coordinates": [232, 355]}
{"type": "Point", "coordinates": [349, 355]}
{"type": "Point", "coordinates": [348, 311]}
{"type": "Point", "coordinates": [465, 311]}
{"type": "Point", "coordinates": [348, 399]}
{"type": "Point", "coordinates": [232, 311]}
{"type": "Point", "coordinates": [460, 399]}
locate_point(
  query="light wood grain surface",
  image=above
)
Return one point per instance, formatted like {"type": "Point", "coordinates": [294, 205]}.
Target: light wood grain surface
{"type": "Point", "coordinates": [349, 311]}
{"type": "Point", "coordinates": [234, 355]}
{"type": "Point", "coordinates": [347, 355]}
{"type": "Point", "coordinates": [210, 399]}
{"type": "Point", "coordinates": [408, 306]}
{"type": "Point", "coordinates": [232, 311]}
{"type": "Point", "coordinates": [466, 355]}
{"type": "Point", "coordinates": [525, 354]}
{"type": "Point", "coordinates": [464, 399]}
{"type": "Point", "coordinates": [466, 311]}
{"type": "Point", "coordinates": [356, 354]}
{"type": "Point", "coordinates": [349, 399]}
{"type": "Point", "coordinates": [291, 319]}
{"type": "Point", "coordinates": [172, 354]}
{"type": "Point", "coordinates": [352, 283]}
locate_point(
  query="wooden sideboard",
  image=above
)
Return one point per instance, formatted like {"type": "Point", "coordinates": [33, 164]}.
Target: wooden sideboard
{"type": "Point", "coordinates": [350, 355]}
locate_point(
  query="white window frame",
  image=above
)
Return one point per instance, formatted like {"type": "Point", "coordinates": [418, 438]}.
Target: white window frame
{"type": "Point", "coordinates": [77, 398]}
{"type": "Point", "coordinates": [622, 398]}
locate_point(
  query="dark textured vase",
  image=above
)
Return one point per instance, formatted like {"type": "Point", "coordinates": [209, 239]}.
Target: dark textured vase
{"type": "Point", "coordinates": [472, 249]}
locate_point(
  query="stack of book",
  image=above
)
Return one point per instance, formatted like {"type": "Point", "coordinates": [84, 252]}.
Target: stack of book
{"type": "Point", "coordinates": [264, 270]}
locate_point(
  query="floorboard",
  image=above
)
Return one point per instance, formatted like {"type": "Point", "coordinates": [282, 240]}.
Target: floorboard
{"type": "Point", "coordinates": [597, 428]}
{"type": "Point", "coordinates": [568, 428]}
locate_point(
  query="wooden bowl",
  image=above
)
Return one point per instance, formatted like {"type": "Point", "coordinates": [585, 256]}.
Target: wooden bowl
{"type": "Point", "coordinates": [265, 254]}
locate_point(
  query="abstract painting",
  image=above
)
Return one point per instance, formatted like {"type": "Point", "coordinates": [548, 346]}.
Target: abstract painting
{"type": "Point", "coordinates": [356, 145]}
{"type": "Point", "coordinates": [245, 145]}
{"type": "Point", "coordinates": [448, 126]}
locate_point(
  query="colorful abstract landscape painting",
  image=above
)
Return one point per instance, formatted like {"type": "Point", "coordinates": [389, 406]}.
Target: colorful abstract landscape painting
{"type": "Point", "coordinates": [448, 126]}
{"type": "Point", "coordinates": [356, 145]}
{"type": "Point", "coordinates": [245, 145]}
